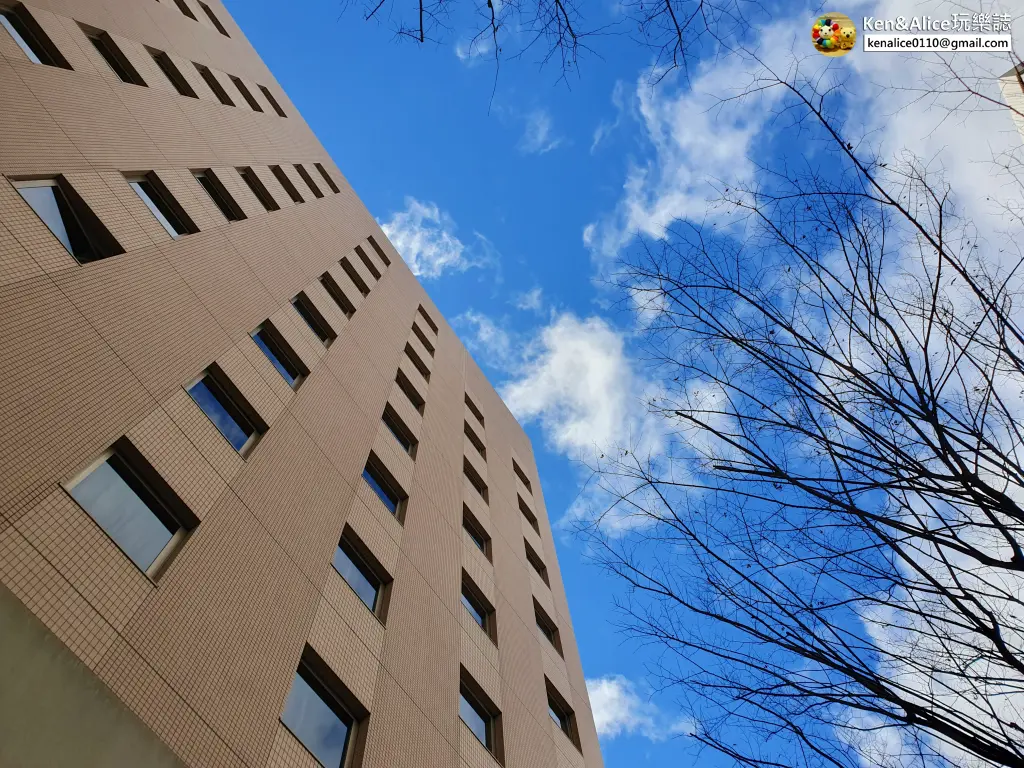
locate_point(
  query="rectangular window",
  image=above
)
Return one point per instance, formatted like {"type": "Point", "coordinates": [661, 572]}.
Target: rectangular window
{"type": "Point", "coordinates": [280, 354]}
{"type": "Point", "coordinates": [476, 532]}
{"type": "Point", "coordinates": [173, 74]}
{"type": "Point", "coordinates": [528, 514]}
{"type": "Point", "coordinates": [30, 37]}
{"type": "Point", "coordinates": [253, 104]}
{"type": "Point", "coordinates": [161, 204]}
{"type": "Point", "coordinates": [216, 22]}
{"type": "Point", "coordinates": [285, 182]}
{"type": "Point", "coordinates": [327, 178]}
{"type": "Point", "coordinates": [547, 627]}
{"type": "Point", "coordinates": [401, 432]}
{"type": "Point", "coordinates": [134, 507]}
{"type": "Point", "coordinates": [478, 608]}
{"type": "Point", "coordinates": [410, 391]}
{"type": "Point", "coordinates": [224, 405]}
{"type": "Point", "coordinates": [316, 322]}
{"type": "Point", "coordinates": [114, 57]}
{"type": "Point", "coordinates": [71, 221]}
{"type": "Point", "coordinates": [384, 258]}
{"type": "Point", "coordinates": [522, 476]}
{"type": "Point", "coordinates": [183, 7]}
{"type": "Point", "coordinates": [272, 101]}
{"type": "Point", "coordinates": [476, 441]}
{"type": "Point", "coordinates": [474, 410]}
{"type": "Point", "coordinates": [474, 479]}
{"type": "Point", "coordinates": [215, 86]}
{"type": "Point", "coordinates": [480, 715]}
{"type": "Point", "coordinates": [430, 322]}
{"type": "Point", "coordinates": [258, 189]}
{"type": "Point", "coordinates": [416, 361]}
{"type": "Point", "coordinates": [316, 712]}
{"type": "Point", "coordinates": [219, 195]}
{"type": "Point", "coordinates": [423, 339]}
{"type": "Point", "coordinates": [561, 713]}
{"type": "Point", "coordinates": [359, 283]}
{"type": "Point", "coordinates": [360, 570]}
{"type": "Point", "coordinates": [534, 560]}
{"type": "Point", "coordinates": [304, 175]}
{"type": "Point", "coordinates": [384, 485]}
{"type": "Point", "coordinates": [331, 286]}
{"type": "Point", "coordinates": [370, 266]}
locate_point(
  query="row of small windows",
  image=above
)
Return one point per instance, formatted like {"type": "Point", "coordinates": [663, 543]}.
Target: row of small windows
{"type": "Point", "coordinates": [186, 11]}
{"type": "Point", "coordinates": [39, 49]}
{"type": "Point", "coordinates": [86, 238]}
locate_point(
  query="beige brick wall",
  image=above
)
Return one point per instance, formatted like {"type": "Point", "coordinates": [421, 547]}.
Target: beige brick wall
{"type": "Point", "coordinates": [205, 655]}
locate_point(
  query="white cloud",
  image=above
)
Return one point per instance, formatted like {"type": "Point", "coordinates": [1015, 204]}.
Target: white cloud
{"type": "Point", "coordinates": [538, 136]}
{"type": "Point", "coordinates": [425, 236]}
{"type": "Point", "coordinates": [486, 339]}
{"type": "Point", "coordinates": [470, 51]}
{"type": "Point", "coordinates": [606, 127]}
{"type": "Point", "coordinates": [532, 300]}
{"type": "Point", "coordinates": [619, 710]}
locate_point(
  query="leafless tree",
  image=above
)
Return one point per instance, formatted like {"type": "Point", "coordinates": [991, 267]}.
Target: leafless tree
{"type": "Point", "coordinates": [828, 552]}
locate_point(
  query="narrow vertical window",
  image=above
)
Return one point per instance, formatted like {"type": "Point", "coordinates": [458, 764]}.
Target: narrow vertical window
{"type": "Point", "coordinates": [219, 195]}
{"type": "Point", "coordinates": [474, 479]}
{"type": "Point", "coordinates": [536, 563]}
{"type": "Point", "coordinates": [370, 266]}
{"type": "Point", "coordinates": [362, 572]}
{"type": "Point", "coordinates": [358, 281]}
{"type": "Point", "coordinates": [476, 532]}
{"type": "Point", "coordinates": [161, 204]}
{"type": "Point", "coordinates": [215, 86]}
{"type": "Point", "coordinates": [216, 22]}
{"type": "Point", "coordinates": [561, 714]}
{"type": "Point", "coordinates": [547, 627]}
{"type": "Point", "coordinates": [327, 178]}
{"type": "Point", "coordinates": [304, 175]}
{"type": "Point", "coordinates": [316, 322]}
{"type": "Point", "coordinates": [183, 7]}
{"type": "Point", "coordinates": [429, 320]}
{"type": "Point", "coordinates": [402, 434]}
{"type": "Point", "coordinates": [387, 262]}
{"type": "Point", "coordinates": [522, 476]}
{"type": "Point", "coordinates": [476, 605]}
{"type": "Point", "coordinates": [480, 715]}
{"type": "Point", "coordinates": [423, 339]}
{"type": "Point", "coordinates": [384, 485]}
{"type": "Point", "coordinates": [225, 407]}
{"type": "Point", "coordinates": [280, 354]}
{"type": "Point", "coordinates": [172, 73]}
{"type": "Point", "coordinates": [476, 441]}
{"type": "Point", "coordinates": [253, 104]}
{"type": "Point", "coordinates": [285, 182]}
{"type": "Point", "coordinates": [410, 391]}
{"type": "Point", "coordinates": [30, 37]}
{"type": "Point", "coordinates": [474, 410]}
{"type": "Point", "coordinates": [113, 56]}
{"type": "Point", "coordinates": [258, 189]}
{"type": "Point", "coordinates": [272, 101]}
{"type": "Point", "coordinates": [334, 290]}
{"type": "Point", "coordinates": [528, 514]}
{"type": "Point", "coordinates": [417, 362]}
{"type": "Point", "coordinates": [70, 220]}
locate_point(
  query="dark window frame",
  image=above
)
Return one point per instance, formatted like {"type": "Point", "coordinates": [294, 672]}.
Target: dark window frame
{"type": "Point", "coordinates": [164, 201]}
{"type": "Point", "coordinates": [410, 391]}
{"type": "Point", "coordinates": [246, 94]}
{"type": "Point", "coordinates": [354, 276]}
{"type": "Point", "coordinates": [536, 562]}
{"type": "Point", "coordinates": [474, 410]}
{"type": "Point", "coordinates": [531, 518]}
{"type": "Point", "coordinates": [286, 184]}
{"type": "Point", "coordinates": [417, 361]}
{"type": "Point", "coordinates": [304, 175]}
{"type": "Point", "coordinates": [428, 318]}
{"type": "Point", "coordinates": [475, 480]}
{"type": "Point", "coordinates": [423, 339]}
{"type": "Point", "coordinates": [486, 710]}
{"type": "Point", "coordinates": [355, 549]}
{"type": "Point", "coordinates": [33, 36]}
{"type": "Point", "coordinates": [381, 481]}
{"type": "Point", "coordinates": [185, 10]}
{"type": "Point", "coordinates": [476, 441]}
{"type": "Point", "coordinates": [282, 351]}
{"type": "Point", "coordinates": [317, 323]}
{"type": "Point", "coordinates": [214, 84]}
{"type": "Point", "coordinates": [477, 533]}
{"type": "Point", "coordinates": [335, 292]}
{"type": "Point", "coordinates": [327, 178]}
{"type": "Point", "coordinates": [521, 475]}
{"type": "Point", "coordinates": [271, 100]}
{"type": "Point", "coordinates": [547, 626]}
{"type": "Point", "coordinates": [234, 404]}
{"type": "Point", "coordinates": [383, 256]}
{"type": "Point", "coordinates": [174, 75]}
{"type": "Point", "coordinates": [479, 605]}
{"type": "Point", "coordinates": [405, 437]}
{"type": "Point", "coordinates": [258, 188]}
{"type": "Point", "coordinates": [561, 713]}
{"type": "Point", "coordinates": [112, 54]}
{"type": "Point", "coordinates": [216, 22]}
{"type": "Point", "coordinates": [376, 273]}
{"type": "Point", "coordinates": [219, 194]}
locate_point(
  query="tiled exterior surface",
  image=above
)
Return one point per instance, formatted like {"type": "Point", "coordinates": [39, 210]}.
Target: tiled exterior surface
{"type": "Point", "coordinates": [93, 353]}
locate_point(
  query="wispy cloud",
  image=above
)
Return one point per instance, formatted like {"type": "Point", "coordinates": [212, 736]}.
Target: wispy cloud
{"type": "Point", "coordinates": [471, 51]}
{"type": "Point", "coordinates": [607, 127]}
{"type": "Point", "coordinates": [425, 236]}
{"type": "Point", "coordinates": [539, 134]}
{"type": "Point", "coordinates": [532, 300]}
{"type": "Point", "coordinates": [619, 710]}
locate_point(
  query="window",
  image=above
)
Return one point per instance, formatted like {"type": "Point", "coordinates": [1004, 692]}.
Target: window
{"type": "Point", "coordinates": [362, 571]}
{"type": "Point", "coordinates": [416, 361]}
{"type": "Point", "coordinates": [383, 257]}
{"type": "Point", "coordinates": [177, 79]}
{"type": "Point", "coordinates": [215, 86]}
{"type": "Point", "coordinates": [224, 405]}
{"type": "Point", "coordinates": [547, 627]}
{"type": "Point", "coordinates": [285, 182]}
{"type": "Point", "coordinates": [474, 479]}
{"type": "Point", "coordinates": [410, 391]}
{"type": "Point", "coordinates": [70, 220]}
{"type": "Point", "coordinates": [114, 57]}
{"type": "Point", "coordinates": [321, 712]}
{"type": "Point", "coordinates": [474, 410]}
{"type": "Point", "coordinates": [183, 7]}
{"type": "Point", "coordinates": [476, 532]}
{"type": "Point", "coordinates": [253, 104]}
{"type": "Point", "coordinates": [304, 174]}
{"type": "Point", "coordinates": [478, 608]}
{"type": "Point", "coordinates": [477, 443]}
{"type": "Point", "coordinates": [538, 565]}
{"type": "Point", "coordinates": [134, 507]}
{"type": "Point", "coordinates": [331, 286]}
{"type": "Point", "coordinates": [480, 715]}
{"type": "Point", "coordinates": [280, 354]}
{"type": "Point", "coordinates": [30, 37]}
{"type": "Point", "coordinates": [522, 476]}
{"type": "Point", "coordinates": [528, 514]}
{"type": "Point", "coordinates": [216, 22]}
{"type": "Point", "coordinates": [561, 714]}
{"type": "Point", "coordinates": [423, 339]}
{"type": "Point", "coordinates": [384, 485]}
{"type": "Point", "coordinates": [258, 189]}
{"type": "Point", "coordinates": [316, 322]}
{"type": "Point", "coordinates": [370, 266]}
{"type": "Point", "coordinates": [354, 276]}
{"type": "Point", "coordinates": [220, 196]}
{"type": "Point", "coordinates": [272, 101]}
{"type": "Point", "coordinates": [401, 432]}
{"type": "Point", "coordinates": [327, 178]}
{"type": "Point", "coordinates": [162, 204]}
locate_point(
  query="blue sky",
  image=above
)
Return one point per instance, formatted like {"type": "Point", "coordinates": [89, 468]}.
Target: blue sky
{"type": "Point", "coordinates": [512, 210]}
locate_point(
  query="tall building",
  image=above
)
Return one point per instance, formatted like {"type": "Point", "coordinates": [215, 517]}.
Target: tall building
{"type": "Point", "coordinates": [258, 506]}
